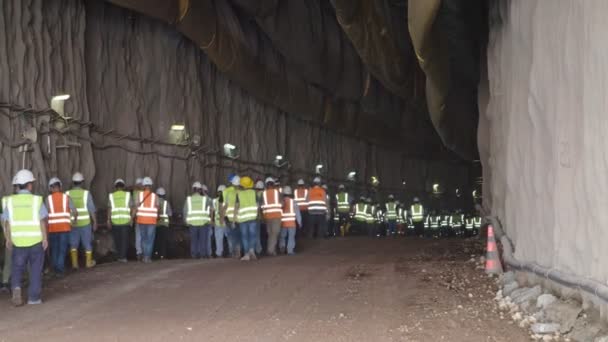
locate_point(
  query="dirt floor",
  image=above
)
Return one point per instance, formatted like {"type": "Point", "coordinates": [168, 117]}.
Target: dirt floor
{"type": "Point", "coordinates": [351, 289]}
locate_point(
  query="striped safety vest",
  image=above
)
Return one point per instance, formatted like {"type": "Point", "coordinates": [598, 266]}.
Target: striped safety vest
{"type": "Point", "coordinates": [25, 219]}
{"type": "Point", "coordinates": [216, 216]}
{"type": "Point", "coordinates": [271, 206]}
{"type": "Point", "coordinates": [391, 211]}
{"type": "Point", "coordinates": [120, 211]}
{"type": "Point", "coordinates": [435, 222]}
{"type": "Point", "coordinates": [80, 198]}
{"type": "Point", "coordinates": [317, 198]}
{"type": "Point", "coordinates": [343, 203]}
{"type": "Point", "coordinates": [370, 213]}
{"type": "Point", "coordinates": [230, 201]}
{"type": "Point", "coordinates": [147, 210]}
{"type": "Point", "coordinates": [361, 212]}
{"type": "Point", "coordinates": [198, 211]}
{"type": "Point", "coordinates": [59, 213]}
{"type": "Point", "coordinates": [469, 224]}
{"type": "Point", "coordinates": [248, 206]}
{"type": "Point", "coordinates": [477, 222]}
{"type": "Point", "coordinates": [417, 212]}
{"type": "Point", "coordinates": [163, 218]}
{"type": "Point", "coordinates": [301, 196]}
{"type": "Point", "coordinates": [288, 217]}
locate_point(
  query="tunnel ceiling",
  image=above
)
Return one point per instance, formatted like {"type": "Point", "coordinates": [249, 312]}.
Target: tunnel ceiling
{"type": "Point", "coordinates": [348, 65]}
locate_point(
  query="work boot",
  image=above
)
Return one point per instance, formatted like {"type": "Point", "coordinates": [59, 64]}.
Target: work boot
{"type": "Point", "coordinates": [246, 257]}
{"type": "Point", "coordinates": [90, 262]}
{"type": "Point", "coordinates": [74, 258]}
{"type": "Point", "coordinates": [17, 299]}
{"type": "Point", "coordinates": [252, 255]}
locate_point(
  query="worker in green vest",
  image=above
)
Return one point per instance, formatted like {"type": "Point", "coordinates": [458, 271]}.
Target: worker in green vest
{"type": "Point", "coordinates": [360, 216]}
{"type": "Point", "coordinates": [197, 211]}
{"type": "Point", "coordinates": [343, 205]}
{"type": "Point", "coordinates": [24, 218]}
{"type": "Point", "coordinates": [417, 215]}
{"type": "Point", "coordinates": [162, 226]}
{"type": "Point", "coordinates": [85, 223]}
{"type": "Point", "coordinates": [119, 218]}
{"type": "Point", "coordinates": [229, 204]}
{"type": "Point", "coordinates": [246, 213]}
{"type": "Point", "coordinates": [391, 216]}
{"type": "Point", "coordinates": [476, 224]}
{"type": "Point", "coordinates": [370, 217]}
{"type": "Point", "coordinates": [219, 223]}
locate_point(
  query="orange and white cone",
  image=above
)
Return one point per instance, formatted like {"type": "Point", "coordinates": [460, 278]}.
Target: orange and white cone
{"type": "Point", "coordinates": [493, 265]}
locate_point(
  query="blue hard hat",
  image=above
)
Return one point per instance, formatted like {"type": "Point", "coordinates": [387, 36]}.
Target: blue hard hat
{"type": "Point", "coordinates": [230, 177]}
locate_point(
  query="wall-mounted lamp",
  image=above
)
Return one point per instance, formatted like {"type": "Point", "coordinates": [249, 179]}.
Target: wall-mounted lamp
{"type": "Point", "coordinates": [57, 103]}
{"type": "Point", "coordinates": [280, 161]}
{"type": "Point", "coordinates": [352, 176]}
{"type": "Point", "coordinates": [231, 151]}
{"type": "Point", "coordinates": [178, 127]}
{"type": "Point", "coordinates": [318, 168]}
{"type": "Point", "coordinates": [375, 181]}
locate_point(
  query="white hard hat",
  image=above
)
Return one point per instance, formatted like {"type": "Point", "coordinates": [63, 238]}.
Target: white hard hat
{"type": "Point", "coordinates": [221, 187]}
{"type": "Point", "coordinates": [197, 185]}
{"type": "Point", "coordinates": [317, 180]}
{"type": "Point", "coordinates": [205, 188]}
{"type": "Point", "coordinates": [341, 186]}
{"type": "Point", "coordinates": [139, 181]}
{"type": "Point", "coordinates": [391, 196]}
{"type": "Point", "coordinates": [23, 177]}
{"type": "Point", "coordinates": [147, 181]}
{"type": "Point", "coordinates": [301, 181]}
{"type": "Point", "coordinates": [287, 190]}
{"type": "Point", "coordinates": [161, 192]}
{"type": "Point", "coordinates": [236, 181]}
{"type": "Point", "coordinates": [119, 181]}
{"type": "Point", "coordinates": [77, 177]}
{"type": "Point", "coordinates": [54, 181]}
{"type": "Point", "coordinates": [324, 186]}
{"type": "Point", "coordinates": [259, 185]}
{"type": "Point", "coordinates": [269, 180]}
{"type": "Point", "coordinates": [416, 199]}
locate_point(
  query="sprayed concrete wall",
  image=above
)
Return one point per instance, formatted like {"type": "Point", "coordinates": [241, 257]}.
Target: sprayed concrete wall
{"type": "Point", "coordinates": [543, 131]}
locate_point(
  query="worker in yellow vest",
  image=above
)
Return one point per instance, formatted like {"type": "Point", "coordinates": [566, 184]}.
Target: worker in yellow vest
{"type": "Point", "coordinates": [197, 212]}
{"type": "Point", "coordinates": [229, 196]}
{"type": "Point", "coordinates": [162, 226]}
{"type": "Point", "coordinates": [246, 214]}
{"type": "Point", "coordinates": [85, 224]}
{"type": "Point", "coordinates": [219, 223]}
{"type": "Point", "coordinates": [119, 218]}
{"type": "Point", "coordinates": [24, 218]}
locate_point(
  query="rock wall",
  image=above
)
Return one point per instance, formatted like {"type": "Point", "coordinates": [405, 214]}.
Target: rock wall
{"type": "Point", "coordinates": [130, 78]}
{"type": "Point", "coordinates": [542, 131]}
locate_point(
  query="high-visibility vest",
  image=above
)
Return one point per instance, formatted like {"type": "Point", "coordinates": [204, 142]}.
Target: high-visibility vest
{"type": "Point", "coordinates": [120, 211]}
{"type": "Point", "coordinates": [391, 211]}
{"type": "Point", "coordinates": [456, 220]}
{"type": "Point", "coordinates": [229, 195]}
{"type": "Point", "coordinates": [399, 215]}
{"type": "Point", "coordinates": [427, 222]}
{"type": "Point", "coordinates": [80, 198]}
{"type": "Point", "coordinates": [288, 217]}
{"type": "Point", "coordinates": [147, 210]}
{"type": "Point", "coordinates": [248, 206]}
{"type": "Point", "coordinates": [370, 213]}
{"type": "Point", "coordinates": [301, 196]}
{"type": "Point", "coordinates": [317, 198]}
{"type": "Point", "coordinates": [417, 212]}
{"type": "Point", "coordinates": [469, 224]}
{"type": "Point", "coordinates": [59, 213]}
{"type": "Point", "coordinates": [342, 202]}
{"type": "Point", "coordinates": [446, 220]}
{"type": "Point", "coordinates": [163, 218]}
{"type": "Point", "coordinates": [271, 207]}
{"type": "Point", "coordinates": [198, 210]}
{"type": "Point", "coordinates": [24, 219]}
{"type": "Point", "coordinates": [435, 221]}
{"type": "Point", "coordinates": [477, 222]}
{"type": "Point", "coordinates": [361, 212]}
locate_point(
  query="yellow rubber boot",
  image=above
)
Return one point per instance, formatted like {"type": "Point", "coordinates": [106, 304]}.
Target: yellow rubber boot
{"type": "Point", "coordinates": [90, 261]}
{"type": "Point", "coordinates": [74, 258]}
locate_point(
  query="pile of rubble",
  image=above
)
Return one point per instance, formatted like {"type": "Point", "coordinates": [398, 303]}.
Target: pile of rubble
{"type": "Point", "coordinates": [547, 317]}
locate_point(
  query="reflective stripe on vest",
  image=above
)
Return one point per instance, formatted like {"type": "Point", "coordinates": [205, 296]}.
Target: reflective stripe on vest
{"type": "Point", "coordinates": [59, 213]}
{"type": "Point", "coordinates": [230, 201]}
{"type": "Point", "coordinates": [316, 201]}
{"type": "Point", "coordinates": [248, 206]}
{"type": "Point", "coordinates": [147, 211]}
{"type": "Point", "coordinates": [288, 217]}
{"type": "Point", "coordinates": [391, 211]}
{"type": "Point", "coordinates": [199, 211]}
{"type": "Point", "coordinates": [80, 198]}
{"type": "Point", "coordinates": [370, 214]}
{"type": "Point", "coordinates": [477, 222]}
{"type": "Point", "coordinates": [216, 205]}
{"type": "Point", "coordinates": [343, 203]}
{"type": "Point", "coordinates": [361, 212]}
{"type": "Point", "coordinates": [271, 208]}
{"type": "Point", "coordinates": [120, 212]}
{"type": "Point", "coordinates": [435, 221]}
{"type": "Point", "coordinates": [417, 212]}
{"type": "Point", "coordinates": [300, 196]}
{"type": "Point", "coordinates": [163, 218]}
{"type": "Point", "coordinates": [24, 219]}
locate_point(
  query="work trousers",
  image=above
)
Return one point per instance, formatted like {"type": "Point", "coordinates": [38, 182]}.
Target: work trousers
{"type": "Point", "coordinates": [28, 257]}
{"type": "Point", "coordinates": [234, 239]}
{"type": "Point", "coordinates": [59, 248]}
{"type": "Point", "coordinates": [419, 228]}
{"type": "Point", "coordinates": [198, 241]}
{"type": "Point", "coordinates": [147, 232]}
{"type": "Point", "coordinates": [6, 270]}
{"type": "Point", "coordinates": [288, 234]}
{"type": "Point", "coordinates": [392, 228]}
{"type": "Point", "coordinates": [161, 241]}
{"type": "Point", "coordinates": [82, 236]}
{"type": "Point", "coordinates": [273, 227]}
{"type": "Point", "coordinates": [248, 235]}
{"type": "Point", "coordinates": [121, 240]}
{"type": "Point", "coordinates": [318, 224]}
{"type": "Point", "coordinates": [138, 248]}
{"type": "Point", "coordinates": [371, 229]}
{"type": "Point", "coordinates": [258, 237]}
{"type": "Point", "coordinates": [219, 233]}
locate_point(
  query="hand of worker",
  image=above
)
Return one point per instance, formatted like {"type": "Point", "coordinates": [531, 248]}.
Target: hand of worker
{"type": "Point", "coordinates": [45, 244]}
{"type": "Point", "coordinates": [9, 244]}
{"type": "Point", "coordinates": [94, 227]}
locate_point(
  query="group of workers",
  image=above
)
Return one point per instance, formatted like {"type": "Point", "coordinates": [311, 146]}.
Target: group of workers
{"type": "Point", "coordinates": [238, 215]}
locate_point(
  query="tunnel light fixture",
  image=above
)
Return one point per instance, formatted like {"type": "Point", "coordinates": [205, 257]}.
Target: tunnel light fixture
{"type": "Point", "coordinates": [61, 97]}
{"type": "Point", "coordinates": [280, 161]}
{"type": "Point", "coordinates": [436, 189]}
{"type": "Point", "coordinates": [457, 192]}
{"type": "Point", "coordinates": [375, 181]}
{"type": "Point", "coordinates": [57, 103]}
{"type": "Point", "coordinates": [231, 151]}
{"type": "Point", "coordinates": [178, 127]}
{"type": "Point", "coordinates": [318, 168]}
{"type": "Point", "coordinates": [351, 176]}
{"type": "Point", "coordinates": [474, 193]}
{"type": "Point", "coordinates": [403, 182]}
{"type": "Point", "coordinates": [279, 157]}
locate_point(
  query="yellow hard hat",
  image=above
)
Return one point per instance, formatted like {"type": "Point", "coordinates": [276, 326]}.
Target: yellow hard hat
{"type": "Point", "coordinates": [247, 182]}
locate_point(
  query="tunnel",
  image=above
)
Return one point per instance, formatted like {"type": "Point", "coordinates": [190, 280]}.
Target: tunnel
{"type": "Point", "coordinates": [479, 111]}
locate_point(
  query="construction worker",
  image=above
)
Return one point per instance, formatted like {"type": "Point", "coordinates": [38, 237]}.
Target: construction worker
{"type": "Point", "coordinates": [24, 220]}
{"type": "Point", "coordinates": [476, 224]}
{"type": "Point", "coordinates": [360, 216]}
{"type": "Point", "coordinates": [469, 226]}
{"type": "Point", "coordinates": [246, 214]}
{"type": "Point", "coordinates": [435, 224]}
{"type": "Point", "coordinates": [229, 196]}
{"type": "Point", "coordinates": [259, 190]}
{"type": "Point", "coordinates": [318, 205]}
{"type": "Point", "coordinates": [219, 223]}
{"type": "Point", "coordinates": [290, 220]}
{"type": "Point", "coordinates": [137, 188]}
{"type": "Point", "coordinates": [391, 215]}
{"type": "Point", "coordinates": [301, 197]}
{"type": "Point", "coordinates": [371, 217]}
{"type": "Point", "coordinates": [146, 217]}
{"type": "Point", "coordinates": [417, 215]}
{"type": "Point", "coordinates": [272, 209]}
{"type": "Point", "coordinates": [119, 218]}
{"type": "Point", "coordinates": [343, 203]}
{"type": "Point", "coordinates": [457, 221]}
{"type": "Point", "coordinates": [197, 211]}
{"type": "Point", "coordinates": [61, 209]}
{"type": "Point", "coordinates": [445, 224]}
{"type": "Point", "coordinates": [84, 224]}
{"type": "Point", "coordinates": [401, 218]}
{"type": "Point", "coordinates": [162, 227]}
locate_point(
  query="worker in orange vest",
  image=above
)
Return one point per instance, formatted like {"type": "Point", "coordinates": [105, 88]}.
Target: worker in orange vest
{"type": "Point", "coordinates": [318, 205]}
{"type": "Point", "coordinates": [272, 210]}
{"type": "Point", "coordinates": [146, 216]}
{"type": "Point", "coordinates": [290, 220]}
{"type": "Point", "coordinates": [60, 208]}
{"type": "Point", "coordinates": [301, 196]}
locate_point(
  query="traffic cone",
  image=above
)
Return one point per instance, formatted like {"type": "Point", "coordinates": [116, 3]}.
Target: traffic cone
{"type": "Point", "coordinates": [493, 265]}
